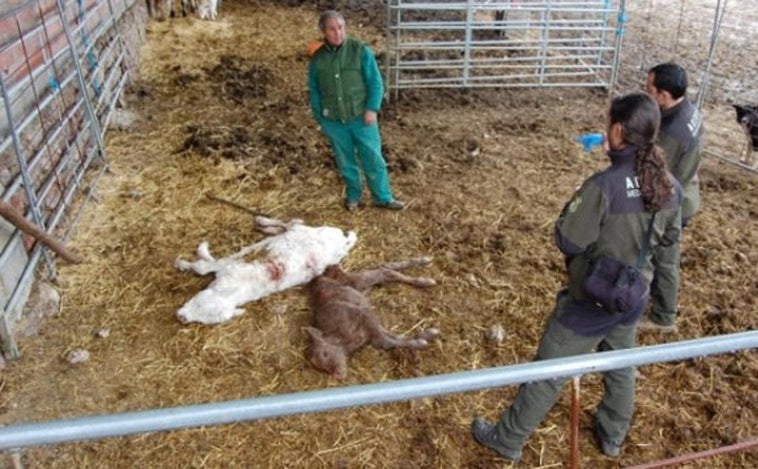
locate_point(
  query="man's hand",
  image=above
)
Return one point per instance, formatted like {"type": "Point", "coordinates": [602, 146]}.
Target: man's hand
{"type": "Point", "coordinates": [369, 117]}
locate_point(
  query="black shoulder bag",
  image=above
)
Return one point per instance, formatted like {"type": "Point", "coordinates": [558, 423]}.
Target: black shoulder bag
{"type": "Point", "coordinates": [617, 287]}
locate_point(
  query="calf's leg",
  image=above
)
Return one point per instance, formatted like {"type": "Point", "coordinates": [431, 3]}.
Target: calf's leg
{"type": "Point", "coordinates": [380, 337]}
{"type": "Point", "coordinates": [368, 278]}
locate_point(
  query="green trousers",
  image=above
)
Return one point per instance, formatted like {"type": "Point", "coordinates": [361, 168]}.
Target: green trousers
{"type": "Point", "coordinates": [534, 400]}
{"type": "Point", "coordinates": [356, 137]}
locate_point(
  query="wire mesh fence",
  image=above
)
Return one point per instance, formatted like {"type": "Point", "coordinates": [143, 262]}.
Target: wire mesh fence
{"type": "Point", "coordinates": [63, 64]}
{"type": "Point", "coordinates": [505, 43]}
{"type": "Point", "coordinates": [715, 41]}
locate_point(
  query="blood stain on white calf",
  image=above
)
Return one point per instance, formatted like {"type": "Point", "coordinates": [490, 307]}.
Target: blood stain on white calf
{"type": "Point", "coordinates": [294, 255]}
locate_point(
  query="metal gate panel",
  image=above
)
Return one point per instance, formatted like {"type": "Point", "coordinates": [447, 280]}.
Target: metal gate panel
{"type": "Point", "coordinates": [63, 64]}
{"type": "Point", "coordinates": [505, 43]}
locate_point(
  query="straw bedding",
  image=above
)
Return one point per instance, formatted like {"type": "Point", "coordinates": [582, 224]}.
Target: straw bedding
{"type": "Point", "coordinates": [222, 109]}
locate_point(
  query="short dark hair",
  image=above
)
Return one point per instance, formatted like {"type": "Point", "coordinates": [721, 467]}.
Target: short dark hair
{"type": "Point", "coordinates": [670, 77]}
{"type": "Point", "coordinates": [329, 14]}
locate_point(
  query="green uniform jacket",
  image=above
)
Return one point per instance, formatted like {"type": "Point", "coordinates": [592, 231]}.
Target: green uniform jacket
{"type": "Point", "coordinates": [606, 217]}
{"type": "Point", "coordinates": [681, 137]}
{"type": "Point", "coordinates": [344, 81]}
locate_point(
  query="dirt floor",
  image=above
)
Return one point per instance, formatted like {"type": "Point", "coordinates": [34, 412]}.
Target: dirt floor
{"type": "Point", "coordinates": [222, 109]}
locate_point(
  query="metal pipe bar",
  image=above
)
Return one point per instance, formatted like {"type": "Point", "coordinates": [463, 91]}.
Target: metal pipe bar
{"type": "Point", "coordinates": [480, 26]}
{"type": "Point", "coordinates": [35, 73]}
{"type": "Point", "coordinates": [48, 98]}
{"type": "Point", "coordinates": [520, 76]}
{"type": "Point", "coordinates": [14, 10]}
{"type": "Point", "coordinates": [706, 75]}
{"type": "Point", "coordinates": [34, 160]}
{"type": "Point", "coordinates": [63, 162]}
{"type": "Point", "coordinates": [729, 160]}
{"type": "Point", "coordinates": [10, 246]}
{"type": "Point", "coordinates": [88, 194]}
{"type": "Point", "coordinates": [111, 71]}
{"type": "Point", "coordinates": [116, 94]}
{"type": "Point", "coordinates": [582, 25]}
{"type": "Point", "coordinates": [522, 6]}
{"type": "Point", "coordinates": [94, 124]}
{"type": "Point", "coordinates": [512, 45]}
{"type": "Point", "coordinates": [117, 28]}
{"type": "Point", "coordinates": [20, 158]}
{"type": "Point", "coordinates": [621, 19]}
{"type": "Point", "coordinates": [95, 34]}
{"type": "Point", "coordinates": [411, 85]}
{"type": "Point", "coordinates": [433, 63]}
{"type": "Point", "coordinates": [552, 75]}
{"type": "Point", "coordinates": [109, 425]}
{"type": "Point", "coordinates": [699, 455]}
{"type": "Point", "coordinates": [27, 276]}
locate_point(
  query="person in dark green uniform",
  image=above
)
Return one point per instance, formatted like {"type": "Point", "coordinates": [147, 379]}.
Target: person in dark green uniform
{"type": "Point", "coordinates": [681, 138]}
{"type": "Point", "coordinates": [345, 89]}
{"type": "Point", "coordinates": [608, 216]}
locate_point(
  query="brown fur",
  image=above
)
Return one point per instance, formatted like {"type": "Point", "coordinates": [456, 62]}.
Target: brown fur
{"type": "Point", "coordinates": [344, 319]}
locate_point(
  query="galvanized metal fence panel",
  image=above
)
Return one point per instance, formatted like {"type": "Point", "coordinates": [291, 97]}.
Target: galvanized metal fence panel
{"type": "Point", "coordinates": [62, 67]}
{"type": "Point", "coordinates": [216, 413]}
{"type": "Point", "coordinates": [503, 43]}
{"type": "Point", "coordinates": [715, 41]}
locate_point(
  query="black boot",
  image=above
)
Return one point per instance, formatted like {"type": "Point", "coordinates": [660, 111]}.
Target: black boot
{"type": "Point", "coordinates": [486, 435]}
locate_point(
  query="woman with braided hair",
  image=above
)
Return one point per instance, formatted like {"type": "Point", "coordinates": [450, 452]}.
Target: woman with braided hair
{"type": "Point", "coordinates": [608, 216]}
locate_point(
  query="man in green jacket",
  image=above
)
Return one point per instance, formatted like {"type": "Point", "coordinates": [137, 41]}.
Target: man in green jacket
{"type": "Point", "coordinates": [345, 89]}
{"type": "Point", "coordinates": [681, 137]}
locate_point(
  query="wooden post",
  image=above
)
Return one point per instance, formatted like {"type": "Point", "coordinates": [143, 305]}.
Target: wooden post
{"type": "Point", "coordinates": [10, 214]}
{"type": "Point", "coordinates": [574, 436]}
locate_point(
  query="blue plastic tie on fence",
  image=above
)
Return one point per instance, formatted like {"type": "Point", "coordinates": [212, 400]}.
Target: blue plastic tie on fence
{"type": "Point", "coordinates": [54, 83]}
{"type": "Point", "coordinates": [590, 141]}
{"type": "Point", "coordinates": [91, 58]}
{"type": "Point", "coordinates": [622, 20]}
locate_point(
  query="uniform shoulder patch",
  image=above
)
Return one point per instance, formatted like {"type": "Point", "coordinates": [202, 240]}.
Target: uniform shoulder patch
{"type": "Point", "coordinates": [575, 204]}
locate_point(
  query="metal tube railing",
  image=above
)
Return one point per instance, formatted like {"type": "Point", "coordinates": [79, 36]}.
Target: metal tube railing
{"type": "Point", "coordinates": [449, 44]}
{"type": "Point", "coordinates": [102, 426]}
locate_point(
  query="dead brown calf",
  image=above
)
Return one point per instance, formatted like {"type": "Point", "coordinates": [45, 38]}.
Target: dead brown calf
{"type": "Point", "coordinates": [344, 319]}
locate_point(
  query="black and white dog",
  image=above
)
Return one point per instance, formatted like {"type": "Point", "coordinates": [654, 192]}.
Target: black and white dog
{"type": "Point", "coordinates": [747, 116]}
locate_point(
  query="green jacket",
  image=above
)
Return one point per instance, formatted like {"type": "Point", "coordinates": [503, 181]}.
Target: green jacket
{"type": "Point", "coordinates": [344, 82]}
{"type": "Point", "coordinates": [606, 217]}
{"type": "Point", "coordinates": [681, 137]}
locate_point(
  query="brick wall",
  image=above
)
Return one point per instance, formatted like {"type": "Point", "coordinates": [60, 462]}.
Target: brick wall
{"type": "Point", "coordinates": [45, 56]}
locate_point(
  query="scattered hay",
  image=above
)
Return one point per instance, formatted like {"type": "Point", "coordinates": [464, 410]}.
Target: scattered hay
{"type": "Point", "coordinates": [486, 218]}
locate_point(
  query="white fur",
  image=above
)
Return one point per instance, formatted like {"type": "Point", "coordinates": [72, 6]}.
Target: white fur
{"type": "Point", "coordinates": [299, 252]}
{"type": "Point", "coordinates": [208, 9]}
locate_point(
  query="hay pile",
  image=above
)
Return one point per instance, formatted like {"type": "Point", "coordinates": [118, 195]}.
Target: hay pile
{"type": "Point", "coordinates": [223, 109]}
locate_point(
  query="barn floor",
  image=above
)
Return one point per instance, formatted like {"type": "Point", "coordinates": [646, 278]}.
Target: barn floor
{"type": "Point", "coordinates": [222, 109]}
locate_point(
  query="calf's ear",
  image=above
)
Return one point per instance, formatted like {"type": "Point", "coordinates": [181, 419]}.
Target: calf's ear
{"type": "Point", "coordinates": [315, 334]}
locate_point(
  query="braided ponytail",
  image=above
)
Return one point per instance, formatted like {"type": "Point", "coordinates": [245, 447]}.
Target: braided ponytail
{"type": "Point", "coordinates": [640, 117]}
{"type": "Point", "coordinates": [655, 184]}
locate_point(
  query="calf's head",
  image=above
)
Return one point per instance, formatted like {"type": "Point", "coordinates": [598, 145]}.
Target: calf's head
{"type": "Point", "coordinates": [207, 307]}
{"type": "Point", "coordinates": [336, 243]}
{"type": "Point", "coordinates": [326, 356]}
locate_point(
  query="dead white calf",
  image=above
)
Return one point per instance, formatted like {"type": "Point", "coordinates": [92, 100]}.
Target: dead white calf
{"type": "Point", "coordinates": [208, 9]}
{"type": "Point", "coordinates": [293, 256]}
{"type": "Point", "coordinates": [344, 319]}
{"type": "Point", "coordinates": [163, 8]}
